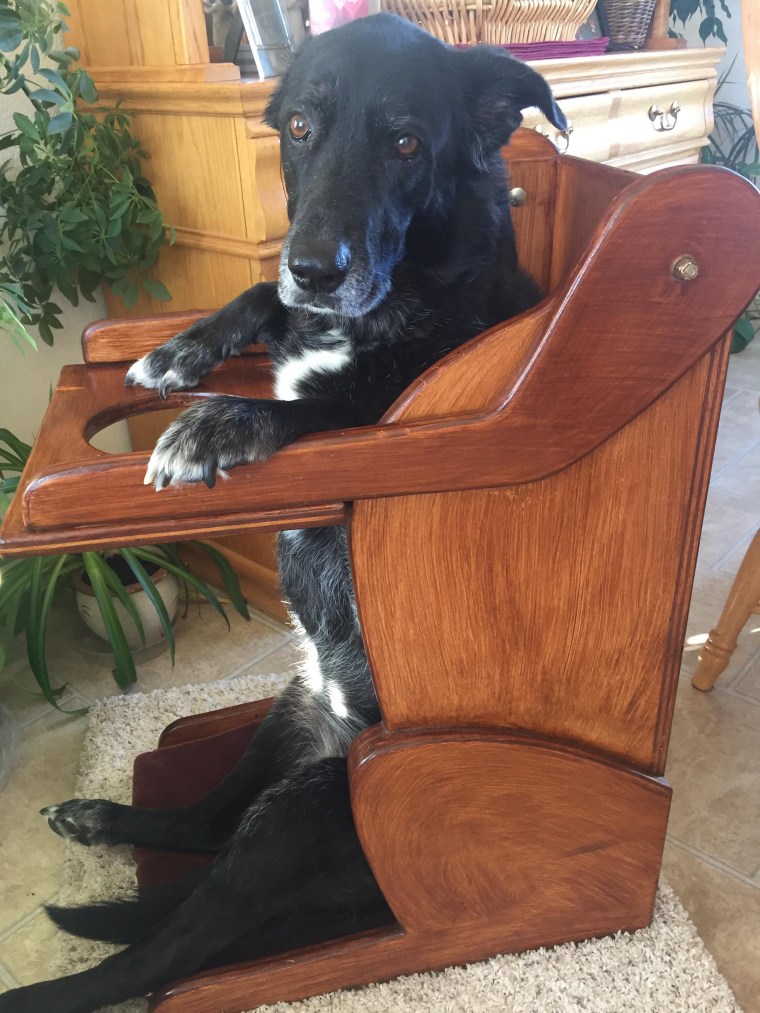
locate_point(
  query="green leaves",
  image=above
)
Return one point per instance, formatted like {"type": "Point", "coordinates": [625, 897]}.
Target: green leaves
{"type": "Point", "coordinates": [744, 332]}
{"type": "Point", "coordinates": [229, 577]}
{"type": "Point", "coordinates": [124, 673]}
{"type": "Point", "coordinates": [77, 210]}
{"type": "Point", "coordinates": [28, 588]}
{"type": "Point", "coordinates": [710, 26]}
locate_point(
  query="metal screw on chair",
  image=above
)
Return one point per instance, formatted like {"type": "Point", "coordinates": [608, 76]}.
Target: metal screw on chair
{"type": "Point", "coordinates": [517, 197]}
{"type": "Point", "coordinates": [684, 268]}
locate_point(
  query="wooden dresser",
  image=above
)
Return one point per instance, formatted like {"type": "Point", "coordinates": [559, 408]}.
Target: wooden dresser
{"type": "Point", "coordinates": [215, 166]}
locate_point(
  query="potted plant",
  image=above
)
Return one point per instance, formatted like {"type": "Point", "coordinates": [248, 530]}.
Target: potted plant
{"type": "Point", "coordinates": [122, 588]}
{"type": "Point", "coordinates": [77, 209]}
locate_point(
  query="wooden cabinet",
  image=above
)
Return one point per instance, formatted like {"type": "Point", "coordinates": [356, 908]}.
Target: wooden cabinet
{"type": "Point", "coordinates": [215, 166]}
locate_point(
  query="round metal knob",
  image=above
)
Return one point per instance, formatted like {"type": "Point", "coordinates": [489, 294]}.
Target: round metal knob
{"type": "Point", "coordinates": [517, 197]}
{"type": "Point", "coordinates": [685, 268]}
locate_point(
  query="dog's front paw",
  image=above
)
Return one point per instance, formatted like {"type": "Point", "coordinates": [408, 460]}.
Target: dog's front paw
{"type": "Point", "coordinates": [86, 821]}
{"type": "Point", "coordinates": [207, 439]}
{"type": "Point", "coordinates": [183, 361]}
{"type": "Point", "coordinates": [153, 371]}
{"type": "Point", "coordinates": [167, 369]}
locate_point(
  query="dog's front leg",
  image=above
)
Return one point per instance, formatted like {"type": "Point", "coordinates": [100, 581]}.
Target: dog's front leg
{"type": "Point", "coordinates": [223, 431]}
{"type": "Point", "coordinates": [183, 361]}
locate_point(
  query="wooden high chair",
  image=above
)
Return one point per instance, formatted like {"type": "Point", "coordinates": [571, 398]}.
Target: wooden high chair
{"type": "Point", "coordinates": [523, 527]}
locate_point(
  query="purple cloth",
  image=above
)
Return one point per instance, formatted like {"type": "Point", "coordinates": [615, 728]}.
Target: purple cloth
{"type": "Point", "coordinates": [554, 50]}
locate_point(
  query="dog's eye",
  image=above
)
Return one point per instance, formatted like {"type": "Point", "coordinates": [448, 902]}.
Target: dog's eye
{"type": "Point", "coordinates": [299, 127]}
{"type": "Point", "coordinates": [407, 146]}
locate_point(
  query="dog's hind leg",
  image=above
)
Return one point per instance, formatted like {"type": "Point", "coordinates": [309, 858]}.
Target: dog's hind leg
{"type": "Point", "coordinates": [296, 850]}
{"type": "Point", "coordinates": [284, 741]}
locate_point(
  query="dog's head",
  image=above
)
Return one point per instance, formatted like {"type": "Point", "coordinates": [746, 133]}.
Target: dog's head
{"type": "Point", "coordinates": [379, 125]}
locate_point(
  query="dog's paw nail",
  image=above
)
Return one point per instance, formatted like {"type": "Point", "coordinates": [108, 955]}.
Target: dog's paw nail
{"type": "Point", "coordinates": [49, 810]}
{"type": "Point", "coordinates": [163, 479]}
{"type": "Point", "coordinates": [209, 472]}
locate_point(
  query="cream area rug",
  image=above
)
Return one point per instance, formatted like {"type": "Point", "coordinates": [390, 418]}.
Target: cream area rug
{"type": "Point", "coordinates": [661, 969]}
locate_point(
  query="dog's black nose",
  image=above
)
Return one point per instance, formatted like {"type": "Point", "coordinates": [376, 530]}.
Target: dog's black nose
{"type": "Point", "coordinates": [319, 266]}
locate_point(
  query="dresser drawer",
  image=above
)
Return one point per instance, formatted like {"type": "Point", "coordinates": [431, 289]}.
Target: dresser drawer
{"type": "Point", "coordinates": [589, 117]}
{"type": "Point", "coordinates": [660, 116]}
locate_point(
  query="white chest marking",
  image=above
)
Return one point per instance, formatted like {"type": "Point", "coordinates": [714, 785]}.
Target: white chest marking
{"type": "Point", "coordinates": [290, 373]}
{"type": "Point", "coordinates": [337, 700]}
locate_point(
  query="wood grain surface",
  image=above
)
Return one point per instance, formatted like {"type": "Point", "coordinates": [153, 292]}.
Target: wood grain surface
{"type": "Point", "coordinates": [618, 334]}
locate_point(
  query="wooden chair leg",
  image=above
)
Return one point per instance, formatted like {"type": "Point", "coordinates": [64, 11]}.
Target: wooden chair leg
{"type": "Point", "coordinates": [743, 600]}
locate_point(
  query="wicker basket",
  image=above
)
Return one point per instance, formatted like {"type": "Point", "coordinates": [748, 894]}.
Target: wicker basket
{"type": "Point", "coordinates": [495, 21]}
{"type": "Point", "coordinates": [628, 22]}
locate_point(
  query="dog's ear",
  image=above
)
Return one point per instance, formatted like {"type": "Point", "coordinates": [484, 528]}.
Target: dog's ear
{"type": "Point", "coordinates": [498, 88]}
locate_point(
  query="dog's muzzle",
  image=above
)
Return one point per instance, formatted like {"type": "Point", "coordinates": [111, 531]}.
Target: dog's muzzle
{"type": "Point", "coordinates": [319, 267]}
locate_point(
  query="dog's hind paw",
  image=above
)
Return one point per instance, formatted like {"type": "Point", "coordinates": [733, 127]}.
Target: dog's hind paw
{"type": "Point", "coordinates": [82, 820]}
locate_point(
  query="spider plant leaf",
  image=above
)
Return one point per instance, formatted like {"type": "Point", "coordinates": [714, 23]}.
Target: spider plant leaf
{"type": "Point", "coordinates": [16, 576]}
{"type": "Point", "coordinates": [21, 449]}
{"type": "Point", "coordinates": [143, 578]}
{"type": "Point", "coordinates": [59, 568]}
{"type": "Point", "coordinates": [174, 556]}
{"type": "Point", "coordinates": [124, 673]}
{"type": "Point", "coordinates": [36, 628]}
{"type": "Point", "coordinates": [124, 597]}
{"type": "Point", "coordinates": [229, 577]}
{"type": "Point", "coordinates": [184, 574]}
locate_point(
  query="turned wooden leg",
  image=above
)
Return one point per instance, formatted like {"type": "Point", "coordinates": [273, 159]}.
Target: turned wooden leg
{"type": "Point", "coordinates": [743, 600]}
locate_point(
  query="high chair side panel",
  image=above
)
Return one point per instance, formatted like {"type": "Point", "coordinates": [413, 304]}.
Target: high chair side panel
{"type": "Point", "coordinates": [505, 839]}
{"type": "Point", "coordinates": [556, 606]}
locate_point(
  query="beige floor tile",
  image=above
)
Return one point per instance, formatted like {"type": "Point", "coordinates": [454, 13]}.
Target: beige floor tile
{"type": "Point", "coordinates": [731, 563]}
{"type": "Point", "coordinates": [6, 981]}
{"type": "Point", "coordinates": [205, 650]}
{"type": "Point", "coordinates": [726, 913]}
{"type": "Point", "coordinates": [748, 681]}
{"type": "Point", "coordinates": [19, 691]}
{"type": "Point", "coordinates": [713, 766]}
{"type": "Point", "coordinates": [26, 953]}
{"type": "Point", "coordinates": [744, 368]}
{"type": "Point", "coordinates": [728, 521]}
{"type": "Point", "coordinates": [739, 428]}
{"type": "Point", "coordinates": [31, 855]}
{"type": "Point", "coordinates": [710, 592]}
{"type": "Point", "coordinates": [282, 661]}
{"type": "Point", "coordinates": [742, 478]}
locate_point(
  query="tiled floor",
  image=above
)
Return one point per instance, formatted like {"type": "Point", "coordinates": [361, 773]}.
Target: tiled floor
{"type": "Point", "coordinates": [713, 854]}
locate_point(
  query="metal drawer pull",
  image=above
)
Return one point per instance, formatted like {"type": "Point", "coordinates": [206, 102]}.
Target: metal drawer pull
{"type": "Point", "coordinates": [664, 121]}
{"type": "Point", "coordinates": [563, 135]}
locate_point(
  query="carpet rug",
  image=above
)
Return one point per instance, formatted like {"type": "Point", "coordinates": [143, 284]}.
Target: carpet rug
{"type": "Point", "coordinates": [661, 969]}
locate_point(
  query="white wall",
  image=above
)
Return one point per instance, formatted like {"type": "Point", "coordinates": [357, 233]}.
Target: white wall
{"type": "Point", "coordinates": [25, 380]}
{"type": "Point", "coordinates": [735, 88]}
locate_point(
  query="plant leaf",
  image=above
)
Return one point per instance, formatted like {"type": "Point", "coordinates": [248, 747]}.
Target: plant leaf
{"type": "Point", "coordinates": [157, 290]}
{"type": "Point", "coordinates": [143, 577]}
{"type": "Point", "coordinates": [184, 574]}
{"type": "Point", "coordinates": [36, 630]}
{"type": "Point", "coordinates": [228, 575]}
{"type": "Point", "coordinates": [124, 673]}
{"type": "Point", "coordinates": [124, 597]}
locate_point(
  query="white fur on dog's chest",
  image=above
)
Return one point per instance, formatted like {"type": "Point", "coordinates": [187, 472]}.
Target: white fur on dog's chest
{"type": "Point", "coordinates": [290, 373]}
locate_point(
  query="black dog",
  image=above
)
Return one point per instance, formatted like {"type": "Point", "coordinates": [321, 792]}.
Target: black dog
{"type": "Point", "coordinates": [400, 248]}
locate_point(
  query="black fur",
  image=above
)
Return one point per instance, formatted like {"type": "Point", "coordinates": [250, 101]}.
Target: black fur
{"type": "Point", "coordinates": [400, 249]}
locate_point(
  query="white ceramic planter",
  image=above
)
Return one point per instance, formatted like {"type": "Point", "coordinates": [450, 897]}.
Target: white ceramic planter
{"type": "Point", "coordinates": [168, 588]}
